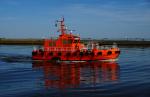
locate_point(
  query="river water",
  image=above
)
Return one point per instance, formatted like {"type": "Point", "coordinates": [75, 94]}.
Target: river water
{"type": "Point", "coordinates": [21, 77]}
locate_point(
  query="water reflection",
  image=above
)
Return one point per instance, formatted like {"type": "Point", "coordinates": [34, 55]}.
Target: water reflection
{"type": "Point", "coordinates": [72, 75]}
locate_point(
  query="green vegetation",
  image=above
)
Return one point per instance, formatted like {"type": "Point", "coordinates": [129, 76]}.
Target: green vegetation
{"type": "Point", "coordinates": [101, 42]}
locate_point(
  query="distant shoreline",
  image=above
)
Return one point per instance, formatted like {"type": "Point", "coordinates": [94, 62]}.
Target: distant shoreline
{"type": "Point", "coordinates": [4, 41]}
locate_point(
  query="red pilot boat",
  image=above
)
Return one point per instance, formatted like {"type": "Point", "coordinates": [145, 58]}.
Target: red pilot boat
{"type": "Point", "coordinates": [67, 47]}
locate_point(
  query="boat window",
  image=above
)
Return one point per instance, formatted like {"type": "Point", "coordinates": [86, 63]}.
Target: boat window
{"type": "Point", "coordinates": [59, 54]}
{"type": "Point", "coordinates": [75, 54]}
{"type": "Point", "coordinates": [52, 44]}
{"type": "Point", "coordinates": [76, 41]}
{"type": "Point", "coordinates": [86, 53]}
{"type": "Point", "coordinates": [99, 53]}
{"type": "Point", "coordinates": [117, 52]}
{"type": "Point", "coordinates": [34, 53]}
{"type": "Point", "coordinates": [81, 53]}
{"type": "Point", "coordinates": [40, 50]}
{"type": "Point", "coordinates": [68, 54]}
{"type": "Point", "coordinates": [51, 53]}
{"type": "Point", "coordinates": [67, 41]}
{"type": "Point", "coordinates": [109, 53]}
{"type": "Point", "coordinates": [92, 53]}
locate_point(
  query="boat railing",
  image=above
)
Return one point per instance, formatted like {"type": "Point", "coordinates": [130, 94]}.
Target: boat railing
{"type": "Point", "coordinates": [108, 46]}
{"type": "Point", "coordinates": [59, 49]}
{"type": "Point", "coordinates": [105, 47]}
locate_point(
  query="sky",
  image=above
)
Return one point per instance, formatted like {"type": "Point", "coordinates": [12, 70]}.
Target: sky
{"type": "Point", "coordinates": [89, 18]}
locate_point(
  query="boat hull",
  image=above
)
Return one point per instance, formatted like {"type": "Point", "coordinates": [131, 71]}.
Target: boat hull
{"type": "Point", "coordinates": [78, 56]}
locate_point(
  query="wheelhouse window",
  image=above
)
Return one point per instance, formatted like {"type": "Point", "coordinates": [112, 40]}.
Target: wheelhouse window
{"type": "Point", "coordinates": [67, 41]}
{"type": "Point", "coordinates": [52, 44]}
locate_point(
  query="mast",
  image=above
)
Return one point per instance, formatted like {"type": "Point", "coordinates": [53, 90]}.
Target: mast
{"type": "Point", "coordinates": [62, 28]}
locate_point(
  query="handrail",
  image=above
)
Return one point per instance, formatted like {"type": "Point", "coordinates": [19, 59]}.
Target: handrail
{"type": "Point", "coordinates": [59, 49]}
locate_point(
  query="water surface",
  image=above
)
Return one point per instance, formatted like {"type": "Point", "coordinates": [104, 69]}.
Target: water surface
{"type": "Point", "coordinates": [21, 77]}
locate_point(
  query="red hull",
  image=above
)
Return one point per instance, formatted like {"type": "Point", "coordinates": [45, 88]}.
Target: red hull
{"type": "Point", "coordinates": [65, 56]}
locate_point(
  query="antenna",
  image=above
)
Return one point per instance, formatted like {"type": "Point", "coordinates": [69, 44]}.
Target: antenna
{"type": "Point", "coordinates": [62, 27]}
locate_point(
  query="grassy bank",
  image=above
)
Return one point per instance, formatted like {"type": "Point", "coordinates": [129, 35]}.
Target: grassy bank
{"type": "Point", "coordinates": [102, 42]}
{"type": "Point", "coordinates": [21, 41]}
